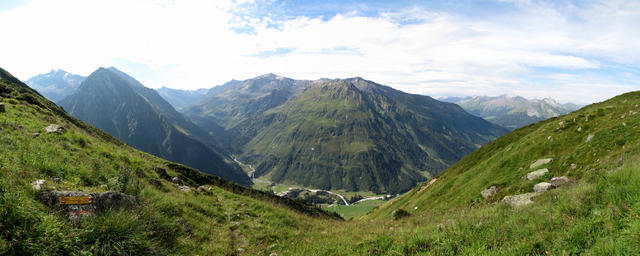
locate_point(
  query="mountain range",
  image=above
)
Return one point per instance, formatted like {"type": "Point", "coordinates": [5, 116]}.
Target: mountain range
{"type": "Point", "coordinates": [118, 104]}
{"type": "Point", "coordinates": [181, 99]}
{"type": "Point", "coordinates": [55, 85]}
{"type": "Point", "coordinates": [512, 111]}
{"type": "Point", "coordinates": [349, 134]}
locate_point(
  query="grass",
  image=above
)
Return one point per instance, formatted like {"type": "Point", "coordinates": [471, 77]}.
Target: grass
{"type": "Point", "coordinates": [598, 213]}
{"type": "Point", "coordinates": [355, 210]}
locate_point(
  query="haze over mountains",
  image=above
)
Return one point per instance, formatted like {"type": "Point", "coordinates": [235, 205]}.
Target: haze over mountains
{"type": "Point", "coordinates": [512, 111]}
{"type": "Point", "coordinates": [55, 85]}
{"type": "Point", "coordinates": [121, 106]}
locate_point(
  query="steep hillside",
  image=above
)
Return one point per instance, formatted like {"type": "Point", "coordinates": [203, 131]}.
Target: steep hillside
{"type": "Point", "coordinates": [356, 135]}
{"type": "Point", "coordinates": [55, 85]}
{"type": "Point", "coordinates": [512, 111]}
{"type": "Point", "coordinates": [214, 217]}
{"type": "Point", "coordinates": [181, 99]}
{"type": "Point", "coordinates": [121, 106]}
{"type": "Point", "coordinates": [584, 146]}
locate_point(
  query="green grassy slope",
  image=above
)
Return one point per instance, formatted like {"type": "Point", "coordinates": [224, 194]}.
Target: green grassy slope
{"type": "Point", "coordinates": [167, 221]}
{"type": "Point", "coordinates": [505, 161]}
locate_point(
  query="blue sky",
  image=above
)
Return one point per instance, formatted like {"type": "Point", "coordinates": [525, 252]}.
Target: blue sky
{"type": "Point", "coordinates": [579, 51]}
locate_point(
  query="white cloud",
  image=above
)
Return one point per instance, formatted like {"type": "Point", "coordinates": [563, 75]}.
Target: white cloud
{"type": "Point", "coordinates": [195, 44]}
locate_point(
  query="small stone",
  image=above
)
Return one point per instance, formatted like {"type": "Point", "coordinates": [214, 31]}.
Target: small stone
{"type": "Point", "coordinates": [591, 135]}
{"type": "Point", "coordinates": [520, 200]}
{"type": "Point", "coordinates": [54, 128]}
{"type": "Point", "coordinates": [35, 134]}
{"type": "Point", "coordinates": [540, 162]}
{"type": "Point", "coordinates": [273, 254]}
{"type": "Point", "coordinates": [489, 192]}
{"type": "Point", "coordinates": [573, 166]}
{"type": "Point", "coordinates": [579, 129]}
{"type": "Point", "coordinates": [175, 179]}
{"type": "Point", "coordinates": [537, 174]}
{"type": "Point", "coordinates": [37, 184]}
{"type": "Point", "coordinates": [559, 181]}
{"type": "Point", "coordinates": [185, 188]}
{"type": "Point", "coordinates": [542, 186]}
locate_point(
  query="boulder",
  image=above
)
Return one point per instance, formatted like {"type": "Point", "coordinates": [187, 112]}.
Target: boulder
{"type": "Point", "coordinates": [54, 128]}
{"type": "Point", "coordinates": [520, 200]}
{"type": "Point", "coordinates": [76, 204]}
{"type": "Point", "coordinates": [559, 181]}
{"type": "Point", "coordinates": [543, 186]}
{"type": "Point", "coordinates": [540, 162]}
{"type": "Point", "coordinates": [176, 180]}
{"type": "Point", "coordinates": [37, 184]}
{"type": "Point", "coordinates": [537, 173]}
{"type": "Point", "coordinates": [489, 192]}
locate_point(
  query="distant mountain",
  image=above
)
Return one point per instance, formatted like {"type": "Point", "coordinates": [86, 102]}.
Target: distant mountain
{"type": "Point", "coordinates": [118, 104]}
{"type": "Point", "coordinates": [55, 85]}
{"type": "Point", "coordinates": [512, 112]}
{"type": "Point", "coordinates": [350, 134]}
{"type": "Point", "coordinates": [181, 99]}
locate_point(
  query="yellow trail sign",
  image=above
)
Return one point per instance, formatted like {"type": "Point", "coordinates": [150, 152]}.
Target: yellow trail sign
{"type": "Point", "coordinates": [74, 200]}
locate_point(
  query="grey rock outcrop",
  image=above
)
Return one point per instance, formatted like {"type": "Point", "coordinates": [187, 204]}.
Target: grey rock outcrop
{"type": "Point", "coordinates": [87, 203]}
{"type": "Point", "coordinates": [540, 162]}
{"type": "Point", "coordinates": [543, 186]}
{"type": "Point", "coordinates": [37, 184]}
{"type": "Point", "coordinates": [54, 128]}
{"type": "Point", "coordinates": [489, 192]}
{"type": "Point", "coordinates": [559, 181]}
{"type": "Point", "coordinates": [537, 173]}
{"type": "Point", "coordinates": [520, 200]}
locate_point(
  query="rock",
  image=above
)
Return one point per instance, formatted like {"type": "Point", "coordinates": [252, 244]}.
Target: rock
{"type": "Point", "coordinates": [2, 108]}
{"type": "Point", "coordinates": [37, 184]}
{"type": "Point", "coordinates": [399, 214]}
{"type": "Point", "coordinates": [559, 181]}
{"type": "Point", "coordinates": [175, 179]}
{"type": "Point", "coordinates": [489, 192]}
{"type": "Point", "coordinates": [579, 129]}
{"type": "Point", "coordinates": [185, 188]}
{"type": "Point", "coordinates": [273, 254]}
{"type": "Point", "coordinates": [543, 186]}
{"type": "Point", "coordinates": [97, 202]}
{"type": "Point", "coordinates": [573, 166]}
{"type": "Point", "coordinates": [590, 136]}
{"type": "Point", "coordinates": [35, 134]}
{"type": "Point", "coordinates": [54, 128]}
{"type": "Point", "coordinates": [537, 174]}
{"type": "Point", "coordinates": [540, 162]}
{"type": "Point", "coordinates": [520, 200]}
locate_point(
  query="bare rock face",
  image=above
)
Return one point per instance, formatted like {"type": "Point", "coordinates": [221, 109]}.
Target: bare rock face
{"type": "Point", "coordinates": [520, 200]}
{"type": "Point", "coordinates": [54, 128]}
{"type": "Point", "coordinates": [540, 162]}
{"type": "Point", "coordinates": [489, 192]}
{"type": "Point", "coordinates": [543, 186]}
{"type": "Point", "coordinates": [537, 174]}
{"type": "Point", "coordinates": [559, 181]}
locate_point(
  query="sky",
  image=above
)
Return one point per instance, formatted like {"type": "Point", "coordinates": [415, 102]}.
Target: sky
{"type": "Point", "coordinates": [573, 51]}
